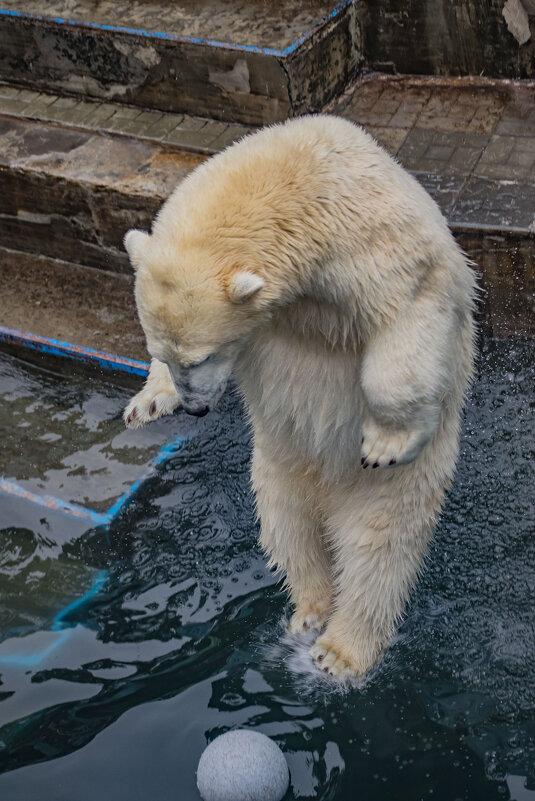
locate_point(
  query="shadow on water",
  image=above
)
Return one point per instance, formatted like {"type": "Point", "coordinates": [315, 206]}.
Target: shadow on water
{"type": "Point", "coordinates": [184, 640]}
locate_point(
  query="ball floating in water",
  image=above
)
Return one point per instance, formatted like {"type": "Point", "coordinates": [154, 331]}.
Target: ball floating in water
{"type": "Point", "coordinates": [242, 765]}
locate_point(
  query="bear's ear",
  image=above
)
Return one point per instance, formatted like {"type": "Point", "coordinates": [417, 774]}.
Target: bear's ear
{"type": "Point", "coordinates": [244, 285]}
{"type": "Point", "coordinates": [133, 242]}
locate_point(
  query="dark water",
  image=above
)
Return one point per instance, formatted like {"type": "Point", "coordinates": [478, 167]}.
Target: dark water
{"type": "Point", "coordinates": [60, 439]}
{"type": "Point", "coordinates": [176, 635]}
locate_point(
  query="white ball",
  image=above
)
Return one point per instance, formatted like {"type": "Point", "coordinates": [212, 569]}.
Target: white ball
{"type": "Point", "coordinates": [242, 765]}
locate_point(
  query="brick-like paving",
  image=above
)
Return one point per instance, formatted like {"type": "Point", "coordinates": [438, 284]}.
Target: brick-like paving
{"type": "Point", "coordinates": [180, 131]}
{"type": "Point", "coordinates": [470, 142]}
{"type": "Point", "coordinates": [76, 174]}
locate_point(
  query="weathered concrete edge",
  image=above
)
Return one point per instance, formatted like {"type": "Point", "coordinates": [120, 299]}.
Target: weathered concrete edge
{"type": "Point", "coordinates": [412, 80]}
{"type": "Point", "coordinates": [505, 268]}
{"type": "Point", "coordinates": [175, 131]}
{"type": "Point", "coordinates": [87, 235]}
{"type": "Point", "coordinates": [302, 39]}
{"type": "Point", "coordinates": [334, 59]}
{"type": "Point", "coordinates": [235, 84]}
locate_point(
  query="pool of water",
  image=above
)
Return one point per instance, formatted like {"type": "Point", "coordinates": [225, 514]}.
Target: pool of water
{"type": "Point", "coordinates": [126, 647]}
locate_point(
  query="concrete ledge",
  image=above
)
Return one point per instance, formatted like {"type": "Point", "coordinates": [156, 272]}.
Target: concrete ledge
{"type": "Point", "coordinates": [55, 299]}
{"type": "Point", "coordinates": [96, 309]}
{"type": "Point", "coordinates": [443, 37]}
{"type": "Point", "coordinates": [506, 268]}
{"type": "Point", "coordinates": [469, 141]}
{"type": "Point", "coordinates": [93, 54]}
{"type": "Point", "coordinates": [72, 195]}
{"type": "Point", "coordinates": [175, 131]}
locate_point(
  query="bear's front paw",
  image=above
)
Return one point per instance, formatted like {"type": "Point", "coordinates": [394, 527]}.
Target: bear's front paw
{"type": "Point", "coordinates": [309, 616]}
{"type": "Point", "coordinates": [332, 658]}
{"type": "Point", "coordinates": [384, 446]}
{"type": "Point", "coordinates": [148, 405]}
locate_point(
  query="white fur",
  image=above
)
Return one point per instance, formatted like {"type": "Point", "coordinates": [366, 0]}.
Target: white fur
{"type": "Point", "coordinates": [355, 345]}
{"type": "Point", "coordinates": [243, 286]}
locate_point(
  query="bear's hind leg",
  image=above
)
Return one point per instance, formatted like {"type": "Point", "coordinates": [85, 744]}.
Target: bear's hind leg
{"type": "Point", "coordinates": [291, 535]}
{"type": "Point", "coordinates": [377, 559]}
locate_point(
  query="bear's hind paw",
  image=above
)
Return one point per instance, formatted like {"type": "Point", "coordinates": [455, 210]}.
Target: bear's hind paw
{"type": "Point", "coordinates": [310, 616]}
{"type": "Point", "coordinates": [332, 656]}
{"type": "Point", "coordinates": [329, 660]}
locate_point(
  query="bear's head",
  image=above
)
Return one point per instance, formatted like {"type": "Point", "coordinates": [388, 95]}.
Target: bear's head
{"type": "Point", "coordinates": [197, 313]}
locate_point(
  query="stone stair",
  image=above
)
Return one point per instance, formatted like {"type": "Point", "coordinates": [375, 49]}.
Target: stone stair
{"type": "Point", "coordinates": [105, 108]}
{"type": "Point", "coordinates": [253, 62]}
{"type": "Point", "coordinates": [72, 194]}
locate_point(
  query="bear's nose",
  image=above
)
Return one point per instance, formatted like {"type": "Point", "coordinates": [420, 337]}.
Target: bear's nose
{"type": "Point", "coordinates": [197, 411]}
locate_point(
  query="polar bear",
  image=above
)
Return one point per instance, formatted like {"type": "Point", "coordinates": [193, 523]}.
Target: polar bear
{"type": "Point", "coordinates": [312, 266]}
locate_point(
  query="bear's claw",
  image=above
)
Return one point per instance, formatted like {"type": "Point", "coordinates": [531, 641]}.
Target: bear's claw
{"type": "Point", "coordinates": [330, 661]}
{"type": "Point", "coordinates": [309, 616]}
{"type": "Point", "coordinates": [145, 407]}
{"type": "Point", "coordinates": [387, 447]}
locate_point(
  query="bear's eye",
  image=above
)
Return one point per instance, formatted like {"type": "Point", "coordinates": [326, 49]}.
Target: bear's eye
{"type": "Point", "coordinates": [202, 361]}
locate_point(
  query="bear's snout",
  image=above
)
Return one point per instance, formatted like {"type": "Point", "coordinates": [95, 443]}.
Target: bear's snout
{"type": "Point", "coordinates": [196, 411]}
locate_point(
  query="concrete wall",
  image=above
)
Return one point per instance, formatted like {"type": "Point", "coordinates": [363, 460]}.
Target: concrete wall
{"type": "Point", "coordinates": [443, 37]}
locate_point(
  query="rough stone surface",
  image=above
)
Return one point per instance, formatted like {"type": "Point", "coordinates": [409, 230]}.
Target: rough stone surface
{"type": "Point", "coordinates": [72, 195]}
{"type": "Point", "coordinates": [274, 24]}
{"type": "Point", "coordinates": [268, 72]}
{"type": "Point", "coordinates": [470, 142]}
{"type": "Point", "coordinates": [506, 267]}
{"type": "Point", "coordinates": [443, 37]}
{"type": "Point", "coordinates": [242, 765]}
{"type": "Point", "coordinates": [72, 303]}
{"type": "Point", "coordinates": [176, 130]}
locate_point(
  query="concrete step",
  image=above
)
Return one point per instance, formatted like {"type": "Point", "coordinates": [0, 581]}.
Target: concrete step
{"type": "Point", "coordinates": [175, 131]}
{"type": "Point", "coordinates": [255, 62]}
{"type": "Point", "coordinates": [96, 309]}
{"type": "Point", "coordinates": [72, 194]}
{"type": "Point", "coordinates": [70, 303]}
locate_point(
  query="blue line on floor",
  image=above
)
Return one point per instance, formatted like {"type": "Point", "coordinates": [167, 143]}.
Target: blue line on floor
{"type": "Point", "coordinates": [166, 451]}
{"type": "Point", "coordinates": [55, 347]}
{"type": "Point", "coordinates": [30, 660]}
{"type": "Point", "coordinates": [50, 502]}
{"type": "Point", "coordinates": [265, 51]}
{"type": "Point", "coordinates": [83, 512]}
{"type": "Point", "coordinates": [100, 580]}
{"type": "Point", "coordinates": [75, 510]}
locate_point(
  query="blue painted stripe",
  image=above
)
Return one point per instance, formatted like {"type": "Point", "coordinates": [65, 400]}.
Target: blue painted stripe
{"type": "Point", "coordinates": [100, 580]}
{"type": "Point", "coordinates": [265, 51]}
{"type": "Point", "coordinates": [323, 21]}
{"type": "Point", "coordinates": [56, 347]}
{"type": "Point", "coordinates": [64, 628]}
{"type": "Point", "coordinates": [165, 452]}
{"type": "Point", "coordinates": [84, 512]}
{"type": "Point", "coordinates": [112, 362]}
{"type": "Point", "coordinates": [50, 502]}
{"type": "Point", "coordinates": [172, 37]}
{"type": "Point", "coordinates": [29, 660]}
{"type": "Point", "coordinates": [71, 509]}
{"type": "Point", "coordinates": [59, 625]}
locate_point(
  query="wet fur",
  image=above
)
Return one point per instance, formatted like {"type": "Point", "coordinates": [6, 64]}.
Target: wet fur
{"type": "Point", "coordinates": [353, 352]}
